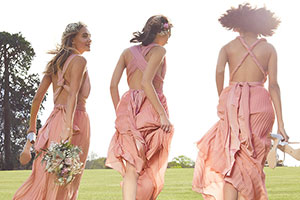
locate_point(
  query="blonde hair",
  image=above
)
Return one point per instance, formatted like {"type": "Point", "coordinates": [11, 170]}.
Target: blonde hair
{"type": "Point", "coordinates": [64, 50]}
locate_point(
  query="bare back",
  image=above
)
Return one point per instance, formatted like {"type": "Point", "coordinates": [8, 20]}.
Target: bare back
{"type": "Point", "coordinates": [61, 83]}
{"type": "Point", "coordinates": [135, 79]}
{"type": "Point", "coordinates": [248, 59]}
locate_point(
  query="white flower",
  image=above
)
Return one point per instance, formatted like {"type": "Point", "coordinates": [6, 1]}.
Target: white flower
{"type": "Point", "coordinates": [64, 168]}
{"type": "Point", "coordinates": [72, 27]}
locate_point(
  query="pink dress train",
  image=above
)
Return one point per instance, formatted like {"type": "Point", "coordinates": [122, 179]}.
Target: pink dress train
{"type": "Point", "coordinates": [40, 185]}
{"type": "Point", "coordinates": [139, 139]}
{"type": "Point", "coordinates": [234, 150]}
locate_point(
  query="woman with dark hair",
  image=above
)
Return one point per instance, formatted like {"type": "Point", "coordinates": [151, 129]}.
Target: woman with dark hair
{"type": "Point", "coordinates": [68, 75]}
{"type": "Point", "coordinates": [232, 154]}
{"type": "Point", "coordinates": [139, 148]}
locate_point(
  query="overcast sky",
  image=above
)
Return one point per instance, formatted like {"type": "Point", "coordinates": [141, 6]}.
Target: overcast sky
{"type": "Point", "coordinates": [192, 52]}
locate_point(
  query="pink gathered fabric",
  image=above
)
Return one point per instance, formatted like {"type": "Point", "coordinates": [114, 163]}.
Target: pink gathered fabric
{"type": "Point", "coordinates": [234, 150]}
{"type": "Point", "coordinates": [139, 139]}
{"type": "Point", "coordinates": [41, 185]}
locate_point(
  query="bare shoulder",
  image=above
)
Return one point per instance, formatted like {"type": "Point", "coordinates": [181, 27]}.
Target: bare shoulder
{"type": "Point", "coordinates": [48, 77]}
{"type": "Point", "coordinates": [266, 48]}
{"type": "Point", "coordinates": [126, 56]}
{"type": "Point", "coordinates": [126, 53]}
{"type": "Point", "coordinates": [228, 46]}
{"type": "Point", "coordinates": [78, 63]}
{"type": "Point", "coordinates": [269, 46]}
{"type": "Point", "coordinates": [79, 60]}
{"type": "Point", "coordinates": [158, 50]}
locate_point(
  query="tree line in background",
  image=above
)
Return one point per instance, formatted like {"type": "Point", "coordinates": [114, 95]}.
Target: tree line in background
{"type": "Point", "coordinates": [17, 89]}
{"type": "Point", "coordinates": [95, 162]}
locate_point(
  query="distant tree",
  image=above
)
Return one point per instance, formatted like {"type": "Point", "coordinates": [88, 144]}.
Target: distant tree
{"type": "Point", "coordinates": [174, 164]}
{"type": "Point", "coordinates": [181, 161]}
{"type": "Point", "coordinates": [98, 163]}
{"type": "Point", "coordinates": [92, 156]}
{"type": "Point", "coordinates": [17, 89]}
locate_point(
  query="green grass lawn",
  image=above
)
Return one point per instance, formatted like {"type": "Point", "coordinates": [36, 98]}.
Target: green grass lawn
{"type": "Point", "coordinates": [283, 183]}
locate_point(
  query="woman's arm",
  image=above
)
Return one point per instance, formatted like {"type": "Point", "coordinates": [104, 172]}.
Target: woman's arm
{"type": "Point", "coordinates": [275, 92]}
{"type": "Point", "coordinates": [77, 69]}
{"type": "Point", "coordinates": [154, 63]}
{"type": "Point", "coordinates": [37, 100]}
{"type": "Point", "coordinates": [116, 77]}
{"type": "Point", "coordinates": [222, 60]}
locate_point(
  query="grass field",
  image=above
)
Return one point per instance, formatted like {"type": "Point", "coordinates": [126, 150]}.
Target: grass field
{"type": "Point", "coordinates": [283, 183]}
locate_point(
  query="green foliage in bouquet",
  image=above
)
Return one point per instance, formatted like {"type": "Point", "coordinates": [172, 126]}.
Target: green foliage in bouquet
{"type": "Point", "coordinates": [62, 159]}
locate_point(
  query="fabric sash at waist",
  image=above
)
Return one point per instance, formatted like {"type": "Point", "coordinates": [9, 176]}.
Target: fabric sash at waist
{"type": "Point", "coordinates": [80, 107]}
{"type": "Point", "coordinates": [43, 135]}
{"type": "Point", "coordinates": [237, 121]}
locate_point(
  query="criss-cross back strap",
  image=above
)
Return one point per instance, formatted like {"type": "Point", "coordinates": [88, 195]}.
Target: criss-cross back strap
{"type": "Point", "coordinates": [60, 78]}
{"type": "Point", "coordinates": [249, 52]}
{"type": "Point", "coordinates": [145, 51]}
{"type": "Point", "coordinates": [141, 63]}
{"type": "Point", "coordinates": [139, 52]}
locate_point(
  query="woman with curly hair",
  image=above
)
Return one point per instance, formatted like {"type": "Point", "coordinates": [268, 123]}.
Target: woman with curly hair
{"type": "Point", "coordinates": [68, 75]}
{"type": "Point", "coordinates": [232, 154]}
{"type": "Point", "coordinates": [139, 149]}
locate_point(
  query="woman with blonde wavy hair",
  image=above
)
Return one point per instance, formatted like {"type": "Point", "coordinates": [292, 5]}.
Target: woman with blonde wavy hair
{"type": "Point", "coordinates": [68, 121]}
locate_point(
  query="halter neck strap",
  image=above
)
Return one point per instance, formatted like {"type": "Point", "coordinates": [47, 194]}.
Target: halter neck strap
{"type": "Point", "coordinates": [60, 78]}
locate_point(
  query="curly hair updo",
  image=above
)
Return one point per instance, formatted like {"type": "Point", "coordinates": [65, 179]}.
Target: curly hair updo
{"type": "Point", "coordinates": [157, 24]}
{"type": "Point", "coordinates": [247, 19]}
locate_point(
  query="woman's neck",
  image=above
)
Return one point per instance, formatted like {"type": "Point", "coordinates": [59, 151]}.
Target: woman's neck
{"type": "Point", "coordinates": [248, 35]}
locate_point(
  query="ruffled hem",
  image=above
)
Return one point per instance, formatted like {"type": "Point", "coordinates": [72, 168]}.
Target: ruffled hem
{"type": "Point", "coordinates": [234, 150]}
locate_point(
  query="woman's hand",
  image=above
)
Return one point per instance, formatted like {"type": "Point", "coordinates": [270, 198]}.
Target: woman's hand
{"type": "Point", "coordinates": [66, 134]}
{"type": "Point", "coordinates": [282, 132]}
{"type": "Point", "coordinates": [166, 125]}
{"type": "Point", "coordinates": [25, 155]}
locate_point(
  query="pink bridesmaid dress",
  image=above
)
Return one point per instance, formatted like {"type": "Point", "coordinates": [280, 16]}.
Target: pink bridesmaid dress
{"type": "Point", "coordinates": [139, 139]}
{"type": "Point", "coordinates": [234, 150]}
{"type": "Point", "coordinates": [41, 185]}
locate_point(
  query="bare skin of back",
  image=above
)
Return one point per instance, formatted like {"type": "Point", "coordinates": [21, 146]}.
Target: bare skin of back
{"type": "Point", "coordinates": [248, 71]}
{"type": "Point", "coordinates": [135, 81]}
{"type": "Point", "coordinates": [63, 97]}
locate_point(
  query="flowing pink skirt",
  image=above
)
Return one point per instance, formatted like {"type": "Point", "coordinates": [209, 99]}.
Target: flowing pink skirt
{"type": "Point", "coordinates": [140, 141]}
{"type": "Point", "coordinates": [40, 185]}
{"type": "Point", "coordinates": [234, 150]}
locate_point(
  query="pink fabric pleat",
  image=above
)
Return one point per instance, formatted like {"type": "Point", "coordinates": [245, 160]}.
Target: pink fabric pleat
{"type": "Point", "coordinates": [140, 141]}
{"type": "Point", "coordinates": [234, 150]}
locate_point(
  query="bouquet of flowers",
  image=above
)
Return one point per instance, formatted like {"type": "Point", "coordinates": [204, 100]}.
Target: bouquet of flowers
{"type": "Point", "coordinates": [62, 159]}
